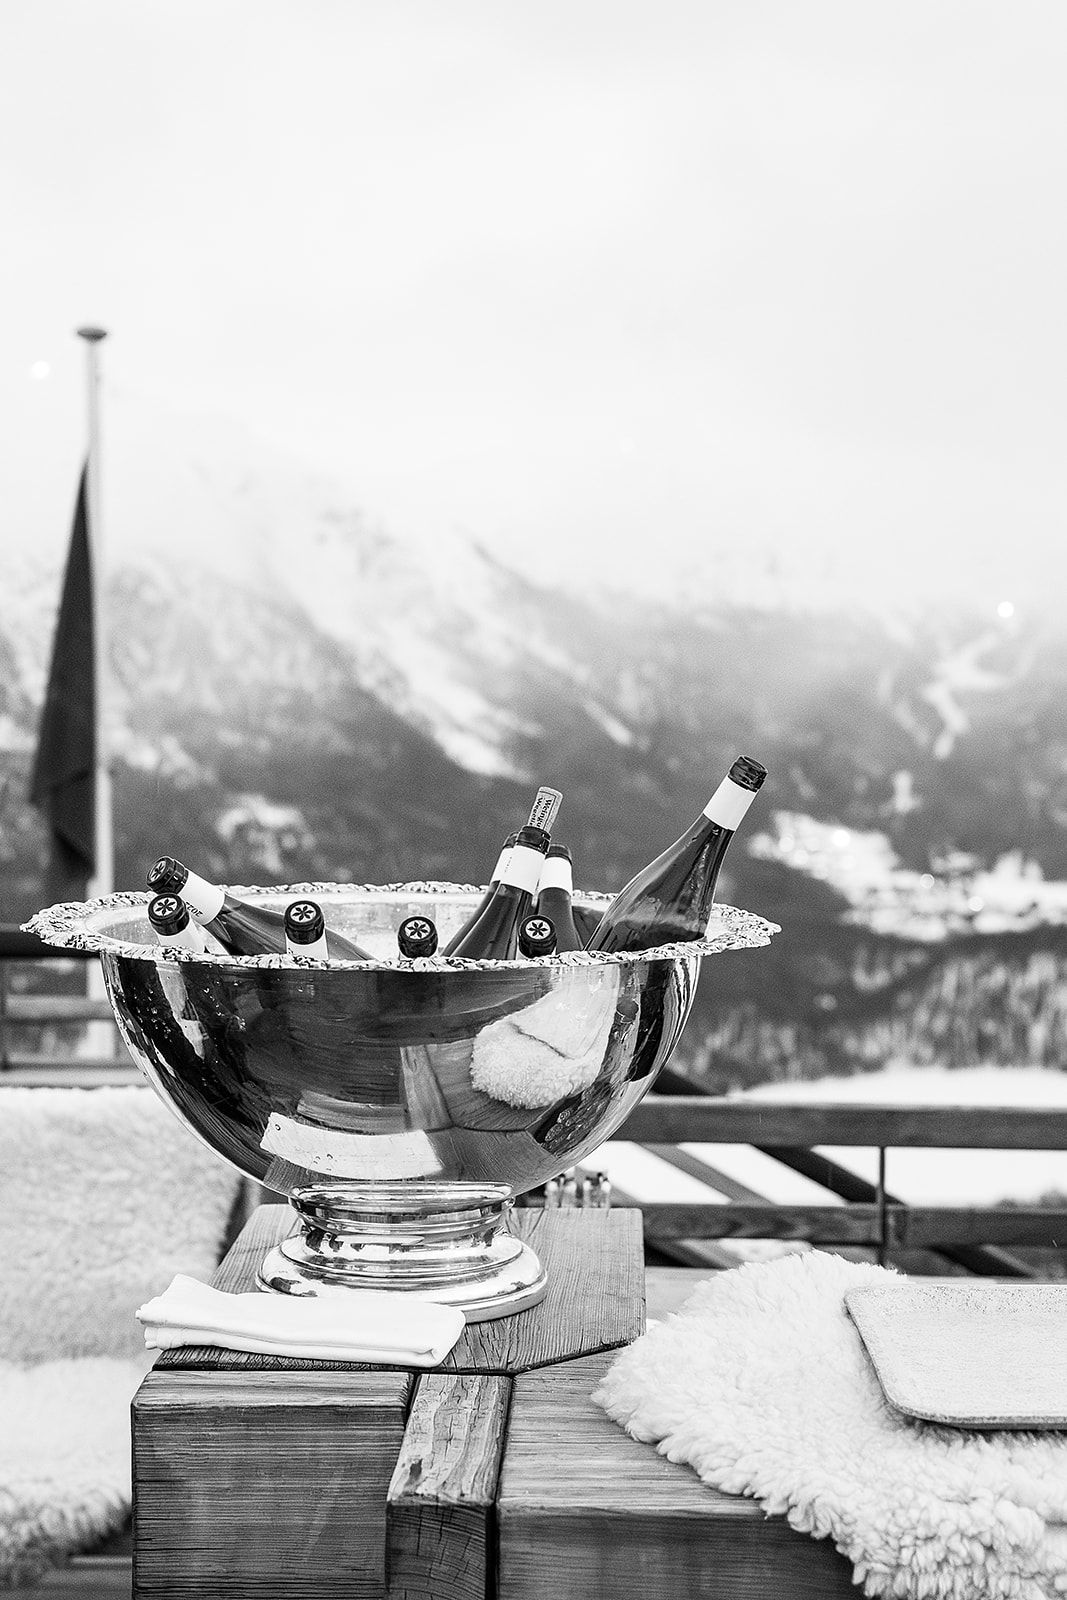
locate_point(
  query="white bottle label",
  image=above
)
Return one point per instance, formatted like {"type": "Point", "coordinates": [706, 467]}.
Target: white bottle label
{"type": "Point", "coordinates": [729, 803]}
{"type": "Point", "coordinates": [318, 949]}
{"type": "Point", "coordinates": [556, 873]}
{"type": "Point", "coordinates": [205, 900]}
{"type": "Point", "coordinates": [501, 864]}
{"type": "Point", "coordinates": [523, 868]}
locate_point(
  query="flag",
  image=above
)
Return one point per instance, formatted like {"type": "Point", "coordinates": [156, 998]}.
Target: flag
{"type": "Point", "coordinates": [64, 771]}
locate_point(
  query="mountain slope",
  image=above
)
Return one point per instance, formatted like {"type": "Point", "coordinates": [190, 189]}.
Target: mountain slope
{"type": "Point", "coordinates": [300, 694]}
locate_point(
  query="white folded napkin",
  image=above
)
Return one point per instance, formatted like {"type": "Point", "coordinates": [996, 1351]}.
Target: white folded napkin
{"type": "Point", "coordinates": [350, 1325]}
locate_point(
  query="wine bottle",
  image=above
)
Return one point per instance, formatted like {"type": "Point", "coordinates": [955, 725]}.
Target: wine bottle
{"type": "Point", "coordinates": [306, 934]}
{"type": "Point", "coordinates": [586, 921]}
{"type": "Point", "coordinates": [537, 936]}
{"type": "Point", "coordinates": [244, 928]}
{"type": "Point", "coordinates": [494, 935]}
{"type": "Point", "coordinates": [501, 863]}
{"type": "Point", "coordinates": [671, 899]}
{"type": "Point", "coordinates": [173, 926]}
{"type": "Point", "coordinates": [554, 889]}
{"type": "Point", "coordinates": [416, 936]}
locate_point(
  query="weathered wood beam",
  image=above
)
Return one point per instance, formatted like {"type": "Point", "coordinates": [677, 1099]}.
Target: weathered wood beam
{"type": "Point", "coordinates": [251, 1483]}
{"type": "Point", "coordinates": [908, 1227]}
{"type": "Point", "coordinates": [584, 1510]}
{"type": "Point", "coordinates": [704, 1172]}
{"type": "Point", "coordinates": [702, 1119]}
{"type": "Point", "coordinates": [440, 1513]}
{"type": "Point", "coordinates": [68, 1072]}
{"type": "Point", "coordinates": [33, 1009]}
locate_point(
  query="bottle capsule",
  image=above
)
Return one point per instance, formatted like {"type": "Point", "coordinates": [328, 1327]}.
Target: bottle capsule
{"type": "Point", "coordinates": [416, 936]}
{"type": "Point", "coordinates": [305, 929]}
{"type": "Point", "coordinates": [537, 936]}
{"type": "Point", "coordinates": [174, 927]}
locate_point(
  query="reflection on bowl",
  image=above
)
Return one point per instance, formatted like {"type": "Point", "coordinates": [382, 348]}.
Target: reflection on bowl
{"type": "Point", "coordinates": [423, 1089]}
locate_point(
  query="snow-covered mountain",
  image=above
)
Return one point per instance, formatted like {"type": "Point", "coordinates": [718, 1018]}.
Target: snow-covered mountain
{"type": "Point", "coordinates": [437, 630]}
{"type": "Point", "coordinates": [220, 526]}
{"type": "Point", "coordinates": [302, 693]}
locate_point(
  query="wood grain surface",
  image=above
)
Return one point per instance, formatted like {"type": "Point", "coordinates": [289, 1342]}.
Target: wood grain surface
{"type": "Point", "coordinates": [906, 1227]}
{"type": "Point", "coordinates": [440, 1519]}
{"type": "Point", "coordinates": [707, 1119]}
{"type": "Point", "coordinates": [584, 1510]}
{"type": "Point", "coordinates": [595, 1299]}
{"type": "Point", "coordinates": [261, 1484]}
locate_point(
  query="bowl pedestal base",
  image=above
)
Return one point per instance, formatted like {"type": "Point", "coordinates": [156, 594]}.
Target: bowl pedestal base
{"type": "Point", "coordinates": [446, 1242]}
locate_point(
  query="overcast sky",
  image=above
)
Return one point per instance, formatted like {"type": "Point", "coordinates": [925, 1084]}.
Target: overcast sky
{"type": "Point", "coordinates": [589, 278]}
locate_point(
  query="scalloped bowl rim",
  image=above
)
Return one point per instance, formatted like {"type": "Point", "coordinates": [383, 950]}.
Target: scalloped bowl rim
{"type": "Point", "coordinates": [75, 925]}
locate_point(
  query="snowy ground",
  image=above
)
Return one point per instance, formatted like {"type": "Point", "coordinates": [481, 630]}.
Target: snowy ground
{"type": "Point", "coordinates": [959, 897]}
{"type": "Point", "coordinates": [923, 1177]}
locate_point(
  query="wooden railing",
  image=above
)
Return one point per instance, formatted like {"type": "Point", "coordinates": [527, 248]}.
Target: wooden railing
{"type": "Point", "coordinates": [102, 1062]}
{"type": "Point", "coordinates": [883, 1223]}
{"type": "Point", "coordinates": [866, 1216]}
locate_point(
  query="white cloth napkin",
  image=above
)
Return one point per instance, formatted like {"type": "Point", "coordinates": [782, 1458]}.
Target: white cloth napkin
{"type": "Point", "coordinates": [351, 1325]}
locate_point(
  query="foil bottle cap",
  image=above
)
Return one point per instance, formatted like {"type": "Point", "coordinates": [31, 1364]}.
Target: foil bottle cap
{"type": "Point", "coordinates": [168, 876]}
{"type": "Point", "coordinates": [748, 773]}
{"type": "Point", "coordinates": [417, 936]}
{"type": "Point", "coordinates": [304, 922]}
{"type": "Point", "coordinates": [537, 936]}
{"type": "Point", "coordinates": [168, 913]}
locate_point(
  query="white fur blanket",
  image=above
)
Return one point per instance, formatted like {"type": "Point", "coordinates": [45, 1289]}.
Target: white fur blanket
{"type": "Point", "coordinates": [552, 1047]}
{"type": "Point", "coordinates": [103, 1197]}
{"type": "Point", "coordinates": [761, 1383]}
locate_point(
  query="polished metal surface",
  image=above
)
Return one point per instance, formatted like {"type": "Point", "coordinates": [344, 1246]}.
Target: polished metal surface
{"type": "Point", "coordinates": [400, 1105]}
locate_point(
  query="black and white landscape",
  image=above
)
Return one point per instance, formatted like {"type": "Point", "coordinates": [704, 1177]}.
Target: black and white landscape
{"type": "Point", "coordinates": [301, 693]}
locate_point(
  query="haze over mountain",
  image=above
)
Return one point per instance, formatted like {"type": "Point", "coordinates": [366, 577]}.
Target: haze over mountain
{"type": "Point", "coordinates": [301, 693]}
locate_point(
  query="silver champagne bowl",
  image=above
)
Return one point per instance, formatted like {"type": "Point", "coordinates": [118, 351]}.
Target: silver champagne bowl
{"type": "Point", "coordinates": [400, 1106]}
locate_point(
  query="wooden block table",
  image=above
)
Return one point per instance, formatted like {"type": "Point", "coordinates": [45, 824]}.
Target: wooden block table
{"type": "Point", "coordinates": [256, 1476]}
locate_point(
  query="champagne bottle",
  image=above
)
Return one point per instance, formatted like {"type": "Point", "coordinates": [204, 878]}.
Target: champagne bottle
{"type": "Point", "coordinates": [306, 934]}
{"type": "Point", "coordinates": [554, 889]}
{"type": "Point", "coordinates": [671, 898]}
{"type": "Point", "coordinates": [501, 863]}
{"type": "Point", "coordinates": [173, 926]}
{"type": "Point", "coordinates": [537, 936]}
{"type": "Point", "coordinates": [494, 935]}
{"type": "Point", "coordinates": [416, 936]}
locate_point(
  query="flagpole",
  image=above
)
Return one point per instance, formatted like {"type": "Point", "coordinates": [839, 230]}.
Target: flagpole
{"type": "Point", "coordinates": [103, 881]}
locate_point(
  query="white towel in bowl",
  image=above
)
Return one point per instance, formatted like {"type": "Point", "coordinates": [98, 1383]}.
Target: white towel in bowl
{"type": "Point", "coordinates": [351, 1325]}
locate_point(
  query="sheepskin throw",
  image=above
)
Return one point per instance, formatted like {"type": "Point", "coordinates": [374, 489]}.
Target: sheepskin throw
{"type": "Point", "coordinates": [761, 1383]}
{"type": "Point", "coordinates": [64, 1459]}
{"type": "Point", "coordinates": [103, 1197]}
